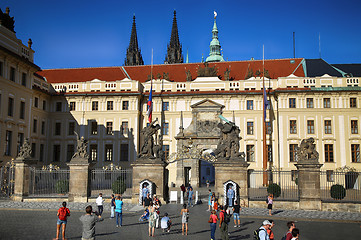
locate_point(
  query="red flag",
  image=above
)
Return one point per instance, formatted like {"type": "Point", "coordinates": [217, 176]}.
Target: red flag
{"type": "Point", "coordinates": [150, 105]}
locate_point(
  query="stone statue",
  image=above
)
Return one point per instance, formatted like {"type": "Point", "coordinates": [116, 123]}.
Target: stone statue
{"type": "Point", "coordinates": [207, 71]}
{"type": "Point", "coordinates": [307, 150]}
{"type": "Point", "coordinates": [25, 150]}
{"type": "Point", "coordinates": [189, 76]}
{"type": "Point", "coordinates": [226, 74]}
{"type": "Point", "coordinates": [81, 148]}
{"type": "Point", "coordinates": [228, 145]}
{"type": "Point", "coordinates": [147, 149]}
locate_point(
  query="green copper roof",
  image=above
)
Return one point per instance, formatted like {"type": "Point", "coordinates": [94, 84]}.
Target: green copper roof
{"type": "Point", "coordinates": [215, 46]}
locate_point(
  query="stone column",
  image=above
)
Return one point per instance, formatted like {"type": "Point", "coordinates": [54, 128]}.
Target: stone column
{"type": "Point", "coordinates": [309, 185]}
{"type": "Point", "coordinates": [79, 180]}
{"type": "Point", "coordinates": [231, 170]}
{"type": "Point", "coordinates": [22, 180]}
{"type": "Point", "coordinates": [152, 170]}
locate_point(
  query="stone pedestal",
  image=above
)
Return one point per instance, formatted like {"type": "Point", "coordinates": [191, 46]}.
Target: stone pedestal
{"type": "Point", "coordinates": [79, 180]}
{"type": "Point", "coordinates": [234, 170]}
{"type": "Point", "coordinates": [22, 179]}
{"type": "Point", "coordinates": [309, 185]}
{"type": "Point", "coordinates": [152, 170]}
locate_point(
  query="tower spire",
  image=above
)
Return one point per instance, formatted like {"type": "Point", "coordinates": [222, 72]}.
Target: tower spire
{"type": "Point", "coordinates": [174, 48]}
{"type": "Point", "coordinates": [215, 46]}
{"type": "Point", "coordinates": [134, 56]}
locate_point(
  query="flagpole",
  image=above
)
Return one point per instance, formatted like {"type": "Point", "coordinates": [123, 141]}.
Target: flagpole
{"type": "Point", "coordinates": [265, 177]}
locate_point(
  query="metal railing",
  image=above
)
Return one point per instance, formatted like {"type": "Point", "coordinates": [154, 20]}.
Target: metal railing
{"type": "Point", "coordinates": [7, 180]}
{"type": "Point", "coordinates": [287, 180]}
{"type": "Point", "coordinates": [49, 182]}
{"type": "Point", "coordinates": [105, 181]}
{"type": "Point", "coordinates": [351, 181]}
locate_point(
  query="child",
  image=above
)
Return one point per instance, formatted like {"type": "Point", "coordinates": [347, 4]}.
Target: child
{"type": "Point", "coordinates": [166, 223]}
{"type": "Point", "coordinates": [63, 214]}
{"type": "Point", "coordinates": [112, 206]}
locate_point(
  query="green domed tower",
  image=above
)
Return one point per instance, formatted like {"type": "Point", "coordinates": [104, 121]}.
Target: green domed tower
{"type": "Point", "coordinates": [215, 46]}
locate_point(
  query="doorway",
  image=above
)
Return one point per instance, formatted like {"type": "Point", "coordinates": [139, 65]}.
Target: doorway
{"type": "Point", "coordinates": [187, 176]}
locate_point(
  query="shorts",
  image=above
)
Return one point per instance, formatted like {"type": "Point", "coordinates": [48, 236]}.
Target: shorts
{"type": "Point", "coordinates": [269, 206]}
{"type": "Point", "coordinates": [59, 222]}
{"type": "Point", "coordinates": [151, 223]}
{"type": "Point", "coordinates": [236, 216]}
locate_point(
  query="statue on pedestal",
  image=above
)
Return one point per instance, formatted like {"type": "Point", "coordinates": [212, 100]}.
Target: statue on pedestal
{"type": "Point", "coordinates": [81, 148]}
{"type": "Point", "coordinates": [307, 151]}
{"type": "Point", "coordinates": [148, 148]}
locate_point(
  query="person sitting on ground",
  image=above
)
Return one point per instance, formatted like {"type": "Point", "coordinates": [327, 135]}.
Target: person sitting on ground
{"type": "Point", "coordinates": [165, 223]}
{"type": "Point", "coordinates": [145, 216]}
{"type": "Point", "coordinates": [291, 225]}
{"type": "Point", "coordinates": [262, 234]}
{"type": "Point", "coordinates": [295, 234]}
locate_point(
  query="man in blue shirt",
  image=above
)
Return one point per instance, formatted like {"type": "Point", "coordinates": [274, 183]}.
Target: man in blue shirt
{"type": "Point", "coordinates": [230, 196]}
{"type": "Point", "coordinates": [145, 192]}
{"type": "Point", "coordinates": [190, 197]}
{"type": "Point", "coordinates": [119, 211]}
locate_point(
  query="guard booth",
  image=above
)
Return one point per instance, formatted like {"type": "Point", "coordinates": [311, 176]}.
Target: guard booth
{"type": "Point", "coordinates": [235, 188]}
{"type": "Point", "coordinates": [151, 188]}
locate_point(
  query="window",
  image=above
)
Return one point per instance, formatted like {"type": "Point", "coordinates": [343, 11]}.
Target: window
{"type": "Point", "coordinates": [109, 130]}
{"type": "Point", "coordinates": [355, 153]}
{"type": "Point", "coordinates": [124, 129]}
{"type": "Point", "coordinates": [36, 102]}
{"type": "Point", "coordinates": [309, 102]}
{"type": "Point", "coordinates": [108, 152]}
{"type": "Point", "coordinates": [57, 128]}
{"type": "Point", "coordinates": [165, 149]}
{"type": "Point", "coordinates": [44, 105]}
{"type": "Point", "coordinates": [165, 106]}
{"type": "Point", "coordinates": [12, 74]}
{"type": "Point", "coordinates": [8, 140]}
{"type": "Point", "coordinates": [326, 103]}
{"type": "Point", "coordinates": [125, 105]}
{"type": "Point", "coordinates": [72, 106]}
{"type": "Point", "coordinates": [310, 126]}
{"type": "Point", "coordinates": [56, 153]}
{"type": "Point", "coordinates": [328, 152]}
{"type": "Point", "coordinates": [124, 152]}
{"type": "Point", "coordinates": [23, 79]}
{"type": "Point", "coordinates": [353, 103]}
{"type": "Point", "coordinates": [71, 128]}
{"type": "Point", "coordinates": [269, 153]}
{"type": "Point", "coordinates": [329, 175]}
{"type": "Point", "coordinates": [109, 105]}
{"type": "Point", "coordinates": [165, 128]}
{"type": "Point", "coordinates": [293, 126]}
{"type": "Point", "coordinates": [93, 152]}
{"type": "Point", "coordinates": [43, 127]}
{"type": "Point", "coordinates": [268, 128]}
{"type": "Point", "coordinates": [293, 153]}
{"type": "Point", "coordinates": [1, 69]}
{"type": "Point", "coordinates": [11, 107]}
{"type": "Point", "coordinates": [328, 129]}
{"type": "Point", "coordinates": [41, 153]}
{"type": "Point", "coordinates": [95, 106]}
{"type": "Point", "coordinates": [250, 153]}
{"type": "Point", "coordinates": [33, 150]}
{"type": "Point", "coordinates": [20, 141]}
{"type": "Point", "coordinates": [35, 125]}
{"type": "Point", "coordinates": [249, 128]}
{"type": "Point", "coordinates": [94, 128]}
{"type": "Point", "coordinates": [22, 110]}
{"type": "Point", "coordinates": [354, 126]}
{"type": "Point", "coordinates": [58, 107]}
{"type": "Point", "coordinates": [292, 103]}
{"type": "Point", "coordinates": [249, 104]}
{"type": "Point", "coordinates": [69, 152]}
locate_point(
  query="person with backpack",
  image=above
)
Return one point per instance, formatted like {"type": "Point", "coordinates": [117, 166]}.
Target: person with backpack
{"type": "Point", "coordinates": [224, 219]}
{"type": "Point", "coordinates": [63, 214]}
{"type": "Point", "coordinates": [261, 233]}
{"type": "Point", "coordinates": [288, 236]}
{"type": "Point", "coordinates": [213, 223]}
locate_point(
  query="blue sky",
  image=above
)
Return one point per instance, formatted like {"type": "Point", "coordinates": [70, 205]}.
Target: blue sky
{"type": "Point", "coordinates": [93, 33]}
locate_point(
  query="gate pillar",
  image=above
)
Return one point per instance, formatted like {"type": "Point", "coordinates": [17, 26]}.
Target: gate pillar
{"type": "Point", "coordinates": [79, 190]}
{"type": "Point", "coordinates": [22, 180]}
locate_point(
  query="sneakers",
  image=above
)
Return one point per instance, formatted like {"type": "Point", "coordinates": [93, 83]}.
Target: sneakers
{"type": "Point", "coordinates": [117, 225]}
{"type": "Point", "coordinates": [235, 226]}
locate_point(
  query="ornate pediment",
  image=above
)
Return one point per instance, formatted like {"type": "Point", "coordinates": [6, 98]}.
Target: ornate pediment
{"type": "Point", "coordinates": [207, 103]}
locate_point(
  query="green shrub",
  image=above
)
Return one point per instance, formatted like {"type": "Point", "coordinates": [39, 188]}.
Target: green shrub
{"type": "Point", "coordinates": [118, 187]}
{"type": "Point", "coordinates": [62, 186]}
{"type": "Point", "coordinates": [337, 191]}
{"type": "Point", "coordinates": [274, 189]}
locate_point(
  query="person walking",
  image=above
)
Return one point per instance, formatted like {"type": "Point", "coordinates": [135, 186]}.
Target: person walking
{"type": "Point", "coordinates": [190, 197]}
{"type": "Point", "coordinates": [213, 223]}
{"type": "Point", "coordinates": [88, 221]}
{"type": "Point", "coordinates": [152, 219]}
{"type": "Point", "coordinates": [222, 224]}
{"type": "Point", "coordinates": [112, 206]}
{"type": "Point", "coordinates": [209, 200]}
{"type": "Point", "coordinates": [290, 225]}
{"type": "Point", "coordinates": [262, 232]}
{"type": "Point", "coordinates": [295, 234]}
{"type": "Point", "coordinates": [236, 211]}
{"type": "Point", "coordinates": [270, 203]}
{"type": "Point", "coordinates": [119, 211]}
{"type": "Point", "coordinates": [99, 201]}
{"type": "Point", "coordinates": [269, 230]}
{"type": "Point", "coordinates": [63, 214]}
{"type": "Point", "coordinates": [185, 216]}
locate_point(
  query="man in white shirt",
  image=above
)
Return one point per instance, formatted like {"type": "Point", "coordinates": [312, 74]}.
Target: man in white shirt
{"type": "Point", "coordinates": [263, 235]}
{"type": "Point", "coordinates": [99, 201]}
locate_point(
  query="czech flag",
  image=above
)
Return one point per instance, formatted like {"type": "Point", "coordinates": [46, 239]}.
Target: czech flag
{"type": "Point", "coordinates": [150, 105]}
{"type": "Point", "coordinates": [266, 103]}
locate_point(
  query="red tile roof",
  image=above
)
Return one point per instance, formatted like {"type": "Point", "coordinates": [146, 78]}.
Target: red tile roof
{"type": "Point", "coordinates": [177, 72]}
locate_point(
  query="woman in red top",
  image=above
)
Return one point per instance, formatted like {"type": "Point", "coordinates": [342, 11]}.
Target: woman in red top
{"type": "Point", "coordinates": [213, 223]}
{"type": "Point", "coordinates": [63, 214]}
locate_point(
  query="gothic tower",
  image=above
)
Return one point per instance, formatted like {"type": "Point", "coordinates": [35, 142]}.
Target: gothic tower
{"type": "Point", "coordinates": [174, 48]}
{"type": "Point", "coordinates": [133, 57]}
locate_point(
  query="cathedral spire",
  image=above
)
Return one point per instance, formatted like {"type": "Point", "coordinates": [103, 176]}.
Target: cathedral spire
{"type": "Point", "coordinates": [215, 46]}
{"type": "Point", "coordinates": [133, 57]}
{"type": "Point", "coordinates": [174, 48]}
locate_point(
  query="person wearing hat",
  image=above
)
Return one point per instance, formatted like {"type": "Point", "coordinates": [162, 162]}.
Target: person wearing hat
{"type": "Point", "coordinates": [262, 233]}
{"type": "Point", "coordinates": [165, 223]}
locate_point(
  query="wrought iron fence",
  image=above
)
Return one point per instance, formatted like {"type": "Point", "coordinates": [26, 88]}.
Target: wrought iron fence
{"type": "Point", "coordinates": [349, 180]}
{"type": "Point", "coordinates": [287, 180]}
{"type": "Point", "coordinates": [118, 181]}
{"type": "Point", "coordinates": [7, 180]}
{"type": "Point", "coordinates": [49, 182]}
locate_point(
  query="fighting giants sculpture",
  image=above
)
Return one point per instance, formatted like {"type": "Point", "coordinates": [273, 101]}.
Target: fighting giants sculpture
{"type": "Point", "coordinates": [150, 148]}
{"type": "Point", "coordinates": [81, 152]}
{"type": "Point", "coordinates": [306, 151]}
{"type": "Point", "coordinates": [25, 150]}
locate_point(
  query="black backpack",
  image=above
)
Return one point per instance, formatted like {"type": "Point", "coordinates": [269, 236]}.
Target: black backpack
{"type": "Point", "coordinates": [256, 233]}
{"type": "Point", "coordinates": [267, 200]}
{"type": "Point", "coordinates": [227, 217]}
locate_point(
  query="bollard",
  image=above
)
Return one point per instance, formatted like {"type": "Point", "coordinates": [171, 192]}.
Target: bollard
{"type": "Point", "coordinates": [196, 198]}
{"type": "Point", "coordinates": [181, 198]}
